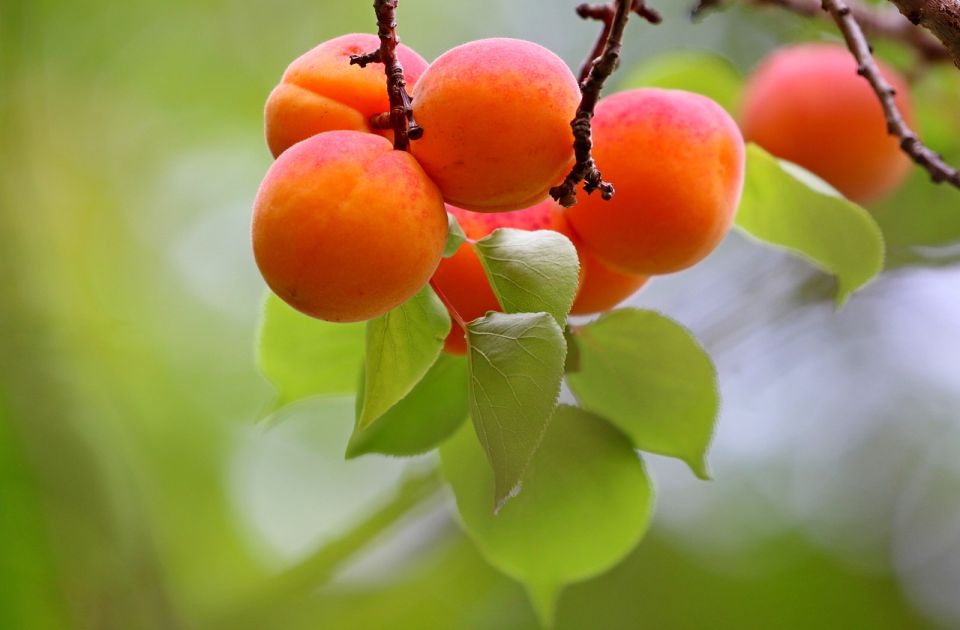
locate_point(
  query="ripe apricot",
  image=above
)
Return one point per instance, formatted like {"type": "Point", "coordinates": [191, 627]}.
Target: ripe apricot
{"type": "Point", "coordinates": [321, 91]}
{"type": "Point", "coordinates": [677, 162]}
{"type": "Point", "coordinates": [806, 104]}
{"type": "Point", "coordinates": [496, 117]}
{"type": "Point", "coordinates": [461, 277]}
{"type": "Point", "coordinates": [601, 288]}
{"type": "Point", "coordinates": [345, 228]}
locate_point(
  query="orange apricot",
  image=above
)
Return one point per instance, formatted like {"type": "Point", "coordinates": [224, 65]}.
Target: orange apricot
{"type": "Point", "coordinates": [677, 162]}
{"type": "Point", "coordinates": [496, 117]}
{"type": "Point", "coordinates": [806, 104]}
{"type": "Point", "coordinates": [345, 228]}
{"type": "Point", "coordinates": [601, 288]}
{"type": "Point", "coordinates": [320, 91]}
{"type": "Point", "coordinates": [461, 277]}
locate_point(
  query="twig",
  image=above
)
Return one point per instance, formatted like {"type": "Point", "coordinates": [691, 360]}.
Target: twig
{"type": "Point", "coordinates": [604, 13]}
{"type": "Point", "coordinates": [400, 117]}
{"type": "Point", "coordinates": [939, 170]}
{"type": "Point", "coordinates": [603, 61]}
{"type": "Point", "coordinates": [885, 23]}
{"type": "Point", "coordinates": [940, 17]}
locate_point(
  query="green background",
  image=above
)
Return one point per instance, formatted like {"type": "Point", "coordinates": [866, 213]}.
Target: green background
{"type": "Point", "coordinates": [138, 491]}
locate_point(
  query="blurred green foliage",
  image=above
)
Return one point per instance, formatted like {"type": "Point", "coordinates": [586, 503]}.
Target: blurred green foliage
{"type": "Point", "coordinates": [132, 148]}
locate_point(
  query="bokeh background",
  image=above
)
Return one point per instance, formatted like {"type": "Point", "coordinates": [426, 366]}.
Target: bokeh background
{"type": "Point", "coordinates": [137, 489]}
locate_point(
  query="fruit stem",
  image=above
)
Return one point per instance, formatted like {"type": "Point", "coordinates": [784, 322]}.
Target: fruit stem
{"type": "Point", "coordinates": [400, 117]}
{"type": "Point", "coordinates": [603, 60]}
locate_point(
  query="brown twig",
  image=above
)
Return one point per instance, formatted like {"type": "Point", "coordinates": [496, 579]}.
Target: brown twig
{"type": "Point", "coordinates": [603, 60]}
{"type": "Point", "coordinates": [400, 117]}
{"type": "Point", "coordinates": [604, 13]}
{"type": "Point", "coordinates": [939, 170]}
{"type": "Point", "coordinates": [885, 23]}
{"type": "Point", "coordinates": [940, 17]}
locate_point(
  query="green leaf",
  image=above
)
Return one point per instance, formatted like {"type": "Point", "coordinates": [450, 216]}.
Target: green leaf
{"type": "Point", "coordinates": [455, 236]}
{"type": "Point", "coordinates": [648, 375]}
{"type": "Point", "coordinates": [786, 206]}
{"type": "Point", "coordinates": [516, 365]}
{"type": "Point", "coordinates": [531, 272]}
{"type": "Point", "coordinates": [302, 356]}
{"type": "Point", "coordinates": [703, 73]}
{"type": "Point", "coordinates": [427, 416]}
{"type": "Point", "coordinates": [401, 347]}
{"type": "Point", "coordinates": [586, 503]}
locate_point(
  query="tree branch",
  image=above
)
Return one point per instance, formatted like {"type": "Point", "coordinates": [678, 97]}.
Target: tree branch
{"type": "Point", "coordinates": [939, 170]}
{"type": "Point", "coordinates": [400, 118]}
{"type": "Point", "coordinates": [602, 62]}
{"type": "Point", "coordinates": [604, 13]}
{"type": "Point", "coordinates": [940, 17]}
{"type": "Point", "coordinates": [885, 23]}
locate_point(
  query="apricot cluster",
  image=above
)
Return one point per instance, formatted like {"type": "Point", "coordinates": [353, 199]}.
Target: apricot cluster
{"type": "Point", "coordinates": [346, 228]}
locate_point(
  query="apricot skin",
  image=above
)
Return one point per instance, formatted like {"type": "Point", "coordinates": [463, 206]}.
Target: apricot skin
{"type": "Point", "coordinates": [807, 105]}
{"type": "Point", "coordinates": [345, 228]}
{"type": "Point", "coordinates": [601, 288]}
{"type": "Point", "coordinates": [320, 91]}
{"type": "Point", "coordinates": [496, 117]}
{"type": "Point", "coordinates": [677, 162]}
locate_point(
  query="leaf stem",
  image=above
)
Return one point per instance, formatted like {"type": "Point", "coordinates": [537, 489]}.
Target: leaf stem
{"type": "Point", "coordinates": [454, 313]}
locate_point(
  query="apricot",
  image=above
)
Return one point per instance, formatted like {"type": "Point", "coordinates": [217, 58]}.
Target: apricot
{"type": "Point", "coordinates": [461, 277]}
{"type": "Point", "coordinates": [321, 91]}
{"type": "Point", "coordinates": [496, 117]}
{"type": "Point", "coordinates": [806, 104]}
{"type": "Point", "coordinates": [677, 162]}
{"type": "Point", "coordinates": [345, 228]}
{"type": "Point", "coordinates": [601, 288]}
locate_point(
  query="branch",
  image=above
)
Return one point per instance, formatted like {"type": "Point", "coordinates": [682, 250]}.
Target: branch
{"type": "Point", "coordinates": [400, 118]}
{"type": "Point", "coordinates": [602, 62]}
{"type": "Point", "coordinates": [940, 17]}
{"type": "Point", "coordinates": [939, 170]}
{"type": "Point", "coordinates": [885, 23]}
{"type": "Point", "coordinates": [605, 13]}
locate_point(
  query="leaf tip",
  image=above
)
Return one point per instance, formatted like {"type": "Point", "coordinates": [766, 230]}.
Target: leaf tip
{"type": "Point", "coordinates": [544, 599]}
{"type": "Point", "coordinates": [698, 464]}
{"type": "Point", "coordinates": [355, 447]}
{"type": "Point", "coordinates": [843, 295]}
{"type": "Point", "coordinates": [503, 497]}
